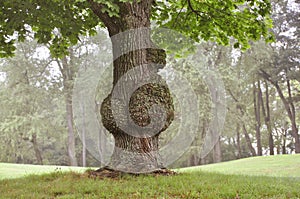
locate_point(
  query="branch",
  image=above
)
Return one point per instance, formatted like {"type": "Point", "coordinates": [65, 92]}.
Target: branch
{"type": "Point", "coordinates": [267, 77]}
{"type": "Point", "coordinates": [109, 22]}
{"type": "Point", "coordinates": [197, 12]}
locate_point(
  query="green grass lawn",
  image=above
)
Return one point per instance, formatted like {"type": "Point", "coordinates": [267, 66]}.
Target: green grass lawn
{"type": "Point", "coordinates": [186, 185]}
{"type": "Point", "coordinates": [275, 166]}
{"type": "Point", "coordinates": [247, 178]}
{"type": "Point", "coordinates": [8, 170]}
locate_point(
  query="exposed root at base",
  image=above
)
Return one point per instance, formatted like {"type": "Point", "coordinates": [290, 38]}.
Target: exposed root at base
{"type": "Point", "coordinates": [107, 172]}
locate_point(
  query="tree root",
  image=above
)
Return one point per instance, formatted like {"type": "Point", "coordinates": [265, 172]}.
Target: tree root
{"type": "Point", "coordinates": [109, 173]}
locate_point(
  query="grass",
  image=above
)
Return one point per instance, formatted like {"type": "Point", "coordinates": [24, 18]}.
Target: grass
{"type": "Point", "coordinates": [8, 170]}
{"type": "Point", "coordinates": [247, 178]}
{"type": "Point", "coordinates": [275, 166]}
{"type": "Point", "coordinates": [185, 185]}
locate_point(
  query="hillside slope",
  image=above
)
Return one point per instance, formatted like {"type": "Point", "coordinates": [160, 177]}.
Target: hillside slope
{"type": "Point", "coordinates": [276, 166]}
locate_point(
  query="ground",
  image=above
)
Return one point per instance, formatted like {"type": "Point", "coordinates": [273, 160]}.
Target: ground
{"type": "Point", "coordinates": [197, 182]}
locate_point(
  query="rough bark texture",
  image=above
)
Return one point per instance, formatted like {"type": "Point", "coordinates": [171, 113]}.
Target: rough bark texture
{"type": "Point", "coordinates": [140, 106]}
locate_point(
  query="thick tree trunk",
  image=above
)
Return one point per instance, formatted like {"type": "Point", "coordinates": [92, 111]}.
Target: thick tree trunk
{"type": "Point", "coordinates": [37, 151]}
{"type": "Point", "coordinates": [140, 105]}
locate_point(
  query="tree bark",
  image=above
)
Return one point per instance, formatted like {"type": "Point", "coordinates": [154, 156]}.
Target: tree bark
{"type": "Point", "coordinates": [238, 141]}
{"type": "Point", "coordinates": [68, 73]}
{"type": "Point", "coordinates": [267, 116]}
{"type": "Point", "coordinates": [140, 105]}
{"type": "Point", "coordinates": [217, 153]}
{"type": "Point", "coordinates": [284, 134]}
{"type": "Point", "coordinates": [37, 151]}
{"type": "Point", "coordinates": [83, 135]}
{"type": "Point", "coordinates": [71, 134]}
{"type": "Point", "coordinates": [248, 141]}
{"type": "Point", "coordinates": [257, 105]}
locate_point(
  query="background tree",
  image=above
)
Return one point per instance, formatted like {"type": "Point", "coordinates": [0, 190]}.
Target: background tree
{"type": "Point", "coordinates": [61, 23]}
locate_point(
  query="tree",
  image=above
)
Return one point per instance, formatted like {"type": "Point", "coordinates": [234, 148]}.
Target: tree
{"type": "Point", "coordinates": [25, 103]}
{"type": "Point", "coordinates": [137, 59]}
{"type": "Point", "coordinates": [282, 70]}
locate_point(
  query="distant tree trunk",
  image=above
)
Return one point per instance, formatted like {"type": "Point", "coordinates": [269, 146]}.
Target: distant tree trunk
{"type": "Point", "coordinates": [238, 141]}
{"type": "Point", "coordinates": [289, 106]}
{"type": "Point", "coordinates": [242, 112]}
{"type": "Point", "coordinates": [284, 133]}
{"type": "Point", "coordinates": [71, 134]}
{"type": "Point", "coordinates": [248, 141]}
{"type": "Point", "coordinates": [36, 149]}
{"type": "Point", "coordinates": [266, 113]}
{"type": "Point", "coordinates": [83, 135]}
{"type": "Point", "coordinates": [217, 153]}
{"type": "Point", "coordinates": [68, 72]}
{"type": "Point", "coordinates": [257, 105]}
{"type": "Point", "coordinates": [137, 121]}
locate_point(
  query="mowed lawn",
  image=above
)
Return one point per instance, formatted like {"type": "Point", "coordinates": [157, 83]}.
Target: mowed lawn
{"type": "Point", "coordinates": [237, 179]}
{"type": "Point", "coordinates": [275, 166]}
{"type": "Point", "coordinates": [8, 170]}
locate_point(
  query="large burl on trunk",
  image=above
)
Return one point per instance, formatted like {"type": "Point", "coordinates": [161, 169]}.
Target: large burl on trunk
{"type": "Point", "coordinates": [140, 105]}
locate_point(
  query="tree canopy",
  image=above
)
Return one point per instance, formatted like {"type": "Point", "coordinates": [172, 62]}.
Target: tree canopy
{"type": "Point", "coordinates": [60, 23]}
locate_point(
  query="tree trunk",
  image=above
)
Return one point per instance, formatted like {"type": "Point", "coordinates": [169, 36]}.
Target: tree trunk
{"type": "Point", "coordinates": [238, 141]}
{"type": "Point", "coordinates": [256, 103]}
{"type": "Point", "coordinates": [267, 116]}
{"type": "Point", "coordinates": [37, 151]}
{"type": "Point", "coordinates": [293, 118]}
{"type": "Point", "coordinates": [68, 73]}
{"type": "Point", "coordinates": [217, 153]}
{"type": "Point", "coordinates": [83, 135]}
{"type": "Point", "coordinates": [284, 134]}
{"type": "Point", "coordinates": [140, 105]}
{"type": "Point", "coordinates": [248, 141]}
{"type": "Point", "coordinates": [288, 105]}
{"type": "Point", "coordinates": [71, 135]}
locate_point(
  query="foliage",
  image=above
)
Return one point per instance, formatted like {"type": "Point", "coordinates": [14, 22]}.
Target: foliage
{"type": "Point", "coordinates": [216, 20]}
{"type": "Point", "coordinates": [60, 23]}
{"type": "Point", "coordinates": [28, 102]}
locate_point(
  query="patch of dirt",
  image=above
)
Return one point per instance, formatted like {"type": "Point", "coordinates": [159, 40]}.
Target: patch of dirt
{"type": "Point", "coordinates": [106, 172]}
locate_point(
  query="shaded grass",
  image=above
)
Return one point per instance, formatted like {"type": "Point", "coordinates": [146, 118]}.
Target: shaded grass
{"type": "Point", "coordinates": [185, 185]}
{"type": "Point", "coordinates": [275, 166]}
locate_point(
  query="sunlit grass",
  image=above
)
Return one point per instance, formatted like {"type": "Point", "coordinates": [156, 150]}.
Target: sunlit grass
{"type": "Point", "coordinates": [276, 166]}
{"type": "Point", "coordinates": [8, 170]}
